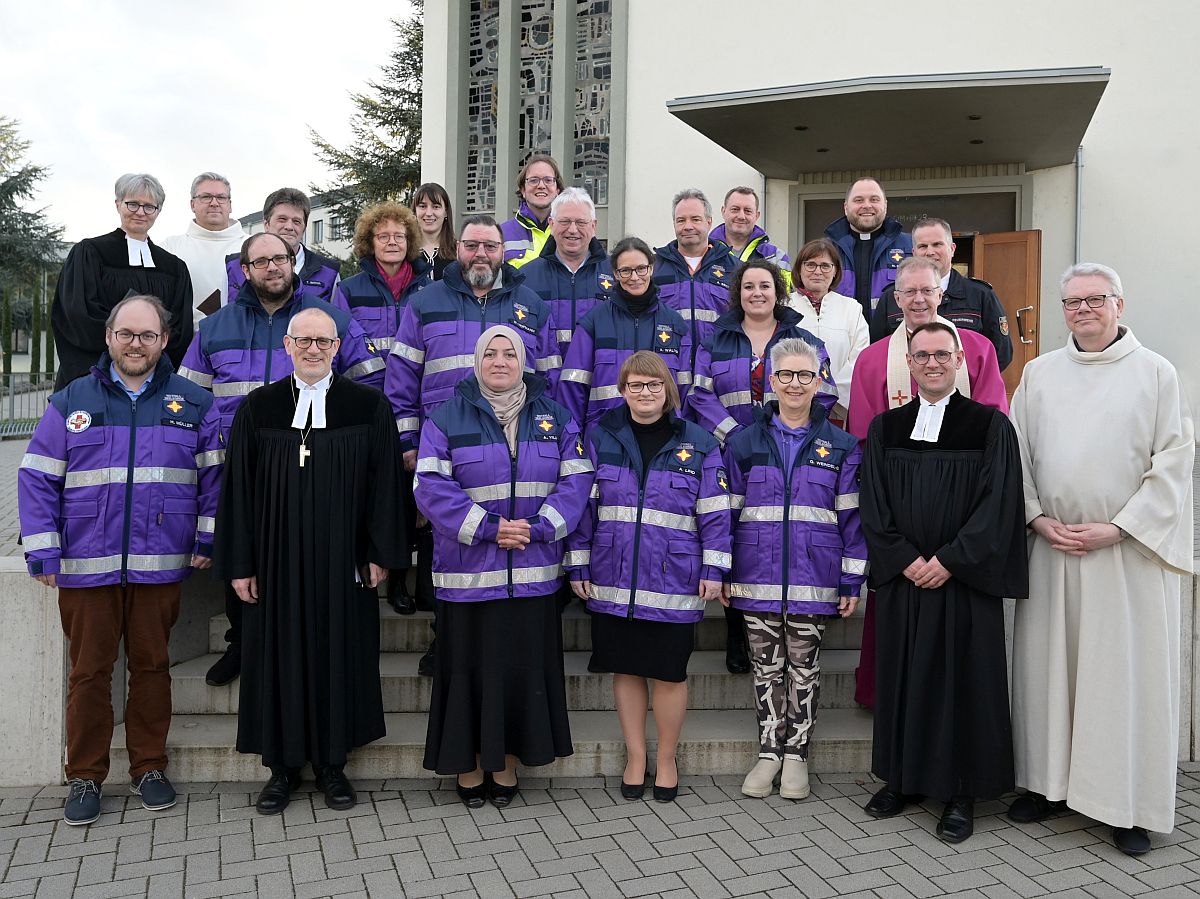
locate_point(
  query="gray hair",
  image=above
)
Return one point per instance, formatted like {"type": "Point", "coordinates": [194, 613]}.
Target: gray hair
{"type": "Point", "coordinates": [692, 193]}
{"type": "Point", "coordinates": [795, 346]}
{"type": "Point", "coordinates": [209, 176]}
{"type": "Point", "coordinates": [314, 313]}
{"type": "Point", "coordinates": [573, 195]}
{"type": "Point", "coordinates": [139, 182]}
{"type": "Point", "coordinates": [916, 263]}
{"type": "Point", "coordinates": [164, 317]}
{"type": "Point", "coordinates": [1086, 269]}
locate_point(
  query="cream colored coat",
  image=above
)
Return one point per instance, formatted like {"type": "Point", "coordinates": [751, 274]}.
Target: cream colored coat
{"type": "Point", "coordinates": [1104, 437]}
{"type": "Point", "coordinates": [842, 327]}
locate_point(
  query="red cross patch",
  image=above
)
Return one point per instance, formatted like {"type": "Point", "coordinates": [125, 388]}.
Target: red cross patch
{"type": "Point", "coordinates": [78, 421]}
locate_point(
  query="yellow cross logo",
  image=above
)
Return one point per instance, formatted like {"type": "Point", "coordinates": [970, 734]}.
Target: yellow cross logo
{"type": "Point", "coordinates": [545, 425]}
{"type": "Point", "coordinates": [520, 314]}
{"type": "Point", "coordinates": [897, 255]}
{"type": "Point", "coordinates": [721, 483]}
{"type": "Point", "coordinates": [174, 406]}
{"type": "Point", "coordinates": [822, 452]}
{"type": "Point", "coordinates": [664, 336]}
{"type": "Point", "coordinates": [683, 455]}
{"type": "Point", "coordinates": [718, 272]}
{"type": "Point", "coordinates": [605, 283]}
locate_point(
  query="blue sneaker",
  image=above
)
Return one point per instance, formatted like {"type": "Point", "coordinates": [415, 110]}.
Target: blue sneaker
{"type": "Point", "coordinates": [83, 802]}
{"type": "Point", "coordinates": [156, 791]}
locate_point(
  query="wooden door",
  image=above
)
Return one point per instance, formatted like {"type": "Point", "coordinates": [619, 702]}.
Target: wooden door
{"type": "Point", "coordinates": [1012, 263]}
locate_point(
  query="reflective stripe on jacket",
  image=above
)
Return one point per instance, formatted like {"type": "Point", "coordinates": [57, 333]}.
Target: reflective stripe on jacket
{"type": "Point", "coordinates": [759, 245]}
{"type": "Point", "coordinates": [700, 297]}
{"type": "Point", "coordinates": [114, 491]}
{"type": "Point", "coordinates": [369, 300]}
{"type": "Point", "coordinates": [467, 481]}
{"type": "Point", "coordinates": [523, 237]}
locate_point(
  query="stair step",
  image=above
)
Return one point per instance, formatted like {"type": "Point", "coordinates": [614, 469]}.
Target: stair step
{"type": "Point", "coordinates": [411, 633]}
{"type": "Point", "coordinates": [714, 742]}
{"type": "Point", "coordinates": [710, 685]}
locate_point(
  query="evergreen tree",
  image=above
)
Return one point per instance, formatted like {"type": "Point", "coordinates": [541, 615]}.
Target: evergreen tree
{"type": "Point", "coordinates": [384, 160]}
{"type": "Point", "coordinates": [28, 242]}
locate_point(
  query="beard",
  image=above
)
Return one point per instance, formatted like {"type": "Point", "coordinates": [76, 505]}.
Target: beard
{"type": "Point", "coordinates": [135, 368]}
{"type": "Point", "coordinates": [265, 291]}
{"type": "Point", "coordinates": [481, 279]}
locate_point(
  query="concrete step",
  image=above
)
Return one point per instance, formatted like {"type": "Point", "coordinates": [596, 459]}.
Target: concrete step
{"type": "Point", "coordinates": [710, 685]}
{"type": "Point", "coordinates": [411, 633]}
{"type": "Point", "coordinates": [201, 750]}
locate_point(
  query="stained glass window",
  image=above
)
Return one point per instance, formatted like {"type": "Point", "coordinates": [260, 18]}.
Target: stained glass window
{"type": "Point", "coordinates": [593, 79]}
{"type": "Point", "coordinates": [483, 40]}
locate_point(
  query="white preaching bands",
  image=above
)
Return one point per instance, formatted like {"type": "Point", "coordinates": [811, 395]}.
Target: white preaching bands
{"type": "Point", "coordinates": [929, 418]}
{"type": "Point", "coordinates": [312, 396]}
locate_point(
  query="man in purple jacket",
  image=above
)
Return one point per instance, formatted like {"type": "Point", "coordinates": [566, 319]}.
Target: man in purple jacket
{"type": "Point", "coordinates": [118, 541]}
{"type": "Point", "coordinates": [871, 244]}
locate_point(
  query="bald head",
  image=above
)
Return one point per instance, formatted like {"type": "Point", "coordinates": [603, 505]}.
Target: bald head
{"type": "Point", "coordinates": [308, 329]}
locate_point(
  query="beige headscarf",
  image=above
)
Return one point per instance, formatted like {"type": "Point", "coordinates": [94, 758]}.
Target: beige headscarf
{"type": "Point", "coordinates": [507, 404]}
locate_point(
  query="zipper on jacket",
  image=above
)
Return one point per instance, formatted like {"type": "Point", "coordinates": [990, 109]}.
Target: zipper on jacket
{"type": "Point", "coordinates": [512, 509]}
{"type": "Point", "coordinates": [270, 345]}
{"type": "Point", "coordinates": [128, 522]}
{"type": "Point", "coordinates": [637, 546]}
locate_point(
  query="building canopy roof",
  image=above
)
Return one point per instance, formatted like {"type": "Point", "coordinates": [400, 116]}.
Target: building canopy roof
{"type": "Point", "coordinates": [1034, 116]}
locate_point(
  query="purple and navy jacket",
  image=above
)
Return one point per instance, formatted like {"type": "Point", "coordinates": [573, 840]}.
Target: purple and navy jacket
{"type": "Point", "coordinates": [720, 399]}
{"type": "Point", "coordinates": [318, 277]}
{"type": "Point", "coordinates": [700, 298]}
{"type": "Point", "coordinates": [369, 300]}
{"type": "Point", "coordinates": [891, 248]}
{"type": "Point", "coordinates": [117, 491]}
{"type": "Point", "coordinates": [570, 295]}
{"type": "Point", "coordinates": [523, 236]}
{"type": "Point", "coordinates": [467, 481]}
{"type": "Point", "coordinates": [435, 347]}
{"type": "Point", "coordinates": [239, 347]}
{"type": "Point", "coordinates": [758, 245]}
{"type": "Point", "coordinates": [796, 530]}
{"type": "Point", "coordinates": [645, 549]}
{"type": "Point", "coordinates": [605, 338]}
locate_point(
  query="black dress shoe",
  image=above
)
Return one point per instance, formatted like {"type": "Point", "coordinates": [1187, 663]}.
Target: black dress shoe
{"type": "Point", "coordinates": [473, 797]}
{"type": "Point", "coordinates": [958, 820]}
{"type": "Point", "coordinates": [227, 668]}
{"type": "Point", "coordinates": [401, 601]}
{"type": "Point", "coordinates": [502, 796]}
{"type": "Point", "coordinates": [425, 663]}
{"type": "Point", "coordinates": [339, 794]}
{"type": "Point", "coordinates": [633, 791]}
{"type": "Point", "coordinates": [888, 803]}
{"type": "Point", "coordinates": [277, 793]}
{"type": "Point", "coordinates": [1131, 840]}
{"type": "Point", "coordinates": [737, 659]}
{"type": "Point", "coordinates": [665, 794]}
{"type": "Point", "coordinates": [1030, 807]}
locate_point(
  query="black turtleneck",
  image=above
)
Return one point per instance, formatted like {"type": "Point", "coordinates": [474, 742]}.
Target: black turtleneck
{"type": "Point", "coordinates": [862, 270]}
{"type": "Point", "coordinates": [638, 304]}
{"type": "Point", "coordinates": [650, 438]}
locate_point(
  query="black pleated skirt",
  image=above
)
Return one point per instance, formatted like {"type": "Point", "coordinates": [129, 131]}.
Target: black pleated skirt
{"type": "Point", "coordinates": [497, 686]}
{"type": "Point", "coordinates": [655, 649]}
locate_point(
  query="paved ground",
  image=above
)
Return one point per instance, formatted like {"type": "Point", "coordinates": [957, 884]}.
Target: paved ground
{"type": "Point", "coordinates": [572, 838]}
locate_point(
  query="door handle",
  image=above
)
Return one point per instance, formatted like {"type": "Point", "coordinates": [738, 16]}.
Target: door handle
{"type": "Point", "coordinates": [1021, 325]}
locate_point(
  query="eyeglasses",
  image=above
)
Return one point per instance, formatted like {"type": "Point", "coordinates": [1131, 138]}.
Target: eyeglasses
{"type": "Point", "coordinates": [471, 246]}
{"type": "Point", "coordinates": [125, 337]}
{"type": "Point", "coordinates": [134, 206]}
{"type": "Point", "coordinates": [911, 292]}
{"type": "Point", "coordinates": [626, 273]}
{"type": "Point", "coordinates": [940, 356]}
{"type": "Point", "coordinates": [392, 238]}
{"type": "Point", "coordinates": [264, 261]}
{"type": "Point", "coordinates": [536, 182]}
{"type": "Point", "coordinates": [1093, 302]}
{"type": "Point", "coordinates": [208, 198]}
{"type": "Point", "coordinates": [785, 376]}
{"type": "Point", "coordinates": [655, 387]}
{"type": "Point", "coordinates": [573, 223]}
{"type": "Point", "coordinates": [818, 267]}
{"type": "Point", "coordinates": [322, 343]}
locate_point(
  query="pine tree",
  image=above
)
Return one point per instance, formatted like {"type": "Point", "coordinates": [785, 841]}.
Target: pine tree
{"type": "Point", "coordinates": [28, 241]}
{"type": "Point", "coordinates": [384, 160]}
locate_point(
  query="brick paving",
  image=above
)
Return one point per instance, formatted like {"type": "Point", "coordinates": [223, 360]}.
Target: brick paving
{"type": "Point", "coordinates": [572, 838]}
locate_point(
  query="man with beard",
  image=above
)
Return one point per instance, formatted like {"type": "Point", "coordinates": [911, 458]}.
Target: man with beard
{"type": "Point", "coordinates": [537, 186]}
{"type": "Point", "coordinates": [309, 525]}
{"type": "Point", "coordinates": [871, 244]}
{"type": "Point", "coordinates": [285, 212]}
{"type": "Point", "coordinates": [118, 542]}
{"type": "Point", "coordinates": [240, 347]}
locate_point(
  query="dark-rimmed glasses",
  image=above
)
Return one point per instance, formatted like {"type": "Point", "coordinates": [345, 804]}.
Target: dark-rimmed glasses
{"type": "Point", "coordinates": [263, 261]}
{"type": "Point", "coordinates": [940, 356]}
{"type": "Point", "coordinates": [629, 271]}
{"type": "Point", "coordinates": [1093, 302]}
{"type": "Point", "coordinates": [134, 206]}
{"type": "Point", "coordinates": [323, 343]}
{"type": "Point", "coordinates": [145, 338]}
{"type": "Point", "coordinates": [785, 376]}
{"type": "Point", "coordinates": [655, 387]}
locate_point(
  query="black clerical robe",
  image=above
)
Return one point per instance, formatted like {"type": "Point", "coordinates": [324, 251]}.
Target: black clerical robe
{"type": "Point", "coordinates": [310, 687]}
{"type": "Point", "coordinates": [942, 723]}
{"type": "Point", "coordinates": [96, 276]}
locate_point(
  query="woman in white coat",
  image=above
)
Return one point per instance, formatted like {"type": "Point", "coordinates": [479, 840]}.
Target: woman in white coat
{"type": "Point", "coordinates": [836, 319]}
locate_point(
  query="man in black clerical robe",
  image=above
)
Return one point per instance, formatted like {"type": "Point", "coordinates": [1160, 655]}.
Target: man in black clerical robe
{"type": "Point", "coordinates": [942, 510]}
{"type": "Point", "coordinates": [309, 524]}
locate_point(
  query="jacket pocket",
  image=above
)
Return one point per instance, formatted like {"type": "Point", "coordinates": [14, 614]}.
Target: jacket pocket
{"type": "Point", "coordinates": [825, 551]}
{"type": "Point", "coordinates": [681, 567]}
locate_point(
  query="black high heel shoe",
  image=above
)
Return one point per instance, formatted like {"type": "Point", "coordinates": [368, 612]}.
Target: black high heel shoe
{"type": "Point", "coordinates": [501, 796]}
{"type": "Point", "coordinates": [667, 794]}
{"type": "Point", "coordinates": [634, 791]}
{"type": "Point", "coordinates": [473, 797]}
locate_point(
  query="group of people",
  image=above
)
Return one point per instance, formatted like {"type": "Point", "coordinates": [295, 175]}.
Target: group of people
{"type": "Point", "coordinates": [649, 430]}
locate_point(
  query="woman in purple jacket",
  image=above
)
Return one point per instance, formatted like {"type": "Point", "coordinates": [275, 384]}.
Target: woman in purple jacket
{"type": "Point", "coordinates": [799, 556]}
{"type": "Point", "coordinates": [503, 476]}
{"type": "Point", "coordinates": [651, 550]}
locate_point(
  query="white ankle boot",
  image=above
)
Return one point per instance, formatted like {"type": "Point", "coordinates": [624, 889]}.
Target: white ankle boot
{"type": "Point", "coordinates": [760, 782]}
{"type": "Point", "coordinates": [794, 783]}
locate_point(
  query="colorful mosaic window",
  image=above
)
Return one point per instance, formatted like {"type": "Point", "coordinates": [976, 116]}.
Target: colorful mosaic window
{"type": "Point", "coordinates": [533, 110]}
{"type": "Point", "coordinates": [483, 42]}
{"type": "Point", "coordinates": [593, 80]}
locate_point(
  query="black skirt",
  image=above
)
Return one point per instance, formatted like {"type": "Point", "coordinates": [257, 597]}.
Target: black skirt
{"type": "Point", "coordinates": [497, 686]}
{"type": "Point", "coordinates": [655, 649]}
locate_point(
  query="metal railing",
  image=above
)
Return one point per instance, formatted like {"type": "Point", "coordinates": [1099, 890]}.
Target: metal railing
{"type": "Point", "coordinates": [22, 401]}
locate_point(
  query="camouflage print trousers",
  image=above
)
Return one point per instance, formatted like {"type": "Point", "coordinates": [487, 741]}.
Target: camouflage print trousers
{"type": "Point", "coordinates": [787, 680]}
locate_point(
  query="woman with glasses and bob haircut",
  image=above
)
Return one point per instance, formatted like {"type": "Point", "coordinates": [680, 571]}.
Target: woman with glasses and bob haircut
{"type": "Point", "coordinates": [835, 319]}
{"type": "Point", "coordinates": [799, 557]}
{"type": "Point", "coordinates": [651, 550]}
{"type": "Point", "coordinates": [102, 271]}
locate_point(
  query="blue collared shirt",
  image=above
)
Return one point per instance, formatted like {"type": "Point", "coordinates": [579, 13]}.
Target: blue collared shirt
{"type": "Point", "coordinates": [116, 376]}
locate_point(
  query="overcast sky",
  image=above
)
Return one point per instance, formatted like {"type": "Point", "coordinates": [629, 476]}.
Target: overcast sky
{"type": "Point", "coordinates": [105, 87]}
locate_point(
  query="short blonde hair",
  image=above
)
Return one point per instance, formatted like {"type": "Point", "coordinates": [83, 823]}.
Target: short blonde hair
{"type": "Point", "coordinates": [650, 365]}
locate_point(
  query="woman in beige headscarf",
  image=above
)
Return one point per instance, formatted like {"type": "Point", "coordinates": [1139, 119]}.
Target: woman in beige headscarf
{"type": "Point", "coordinates": [503, 476]}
